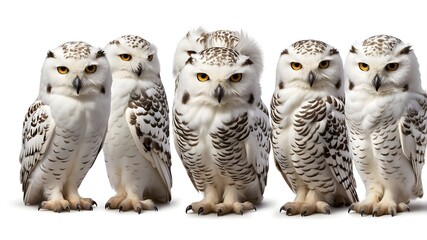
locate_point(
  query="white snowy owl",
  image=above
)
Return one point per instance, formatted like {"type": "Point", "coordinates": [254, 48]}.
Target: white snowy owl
{"type": "Point", "coordinates": [221, 128]}
{"type": "Point", "coordinates": [386, 117]}
{"type": "Point", "coordinates": [309, 136]}
{"type": "Point", "coordinates": [137, 151]}
{"type": "Point", "coordinates": [64, 128]}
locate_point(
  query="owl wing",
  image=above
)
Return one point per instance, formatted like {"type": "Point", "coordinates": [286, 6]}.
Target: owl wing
{"type": "Point", "coordinates": [326, 118]}
{"type": "Point", "coordinates": [258, 145]}
{"type": "Point", "coordinates": [413, 134]}
{"type": "Point", "coordinates": [37, 133]}
{"type": "Point", "coordinates": [186, 142]}
{"type": "Point", "coordinates": [147, 117]}
{"type": "Point", "coordinates": [280, 158]}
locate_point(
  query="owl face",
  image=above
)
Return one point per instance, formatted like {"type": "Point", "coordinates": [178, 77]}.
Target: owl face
{"type": "Point", "coordinates": [132, 57]}
{"type": "Point", "coordinates": [75, 69]}
{"type": "Point", "coordinates": [310, 64]}
{"type": "Point", "coordinates": [220, 76]}
{"type": "Point", "coordinates": [382, 64]}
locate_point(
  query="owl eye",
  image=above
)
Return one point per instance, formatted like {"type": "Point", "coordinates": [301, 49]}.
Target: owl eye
{"type": "Point", "coordinates": [236, 77]}
{"type": "Point", "coordinates": [150, 57]}
{"type": "Point", "coordinates": [392, 67]}
{"type": "Point", "coordinates": [125, 57]}
{"type": "Point", "coordinates": [90, 69]}
{"type": "Point", "coordinates": [364, 67]}
{"type": "Point", "coordinates": [324, 64]}
{"type": "Point", "coordinates": [62, 69]}
{"type": "Point", "coordinates": [296, 65]}
{"type": "Point", "coordinates": [203, 77]}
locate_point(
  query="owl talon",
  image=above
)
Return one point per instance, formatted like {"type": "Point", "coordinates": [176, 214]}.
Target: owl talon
{"type": "Point", "coordinates": [78, 208]}
{"type": "Point", "coordinates": [120, 208]}
{"type": "Point", "coordinates": [362, 212]}
{"type": "Point", "coordinates": [351, 208]}
{"type": "Point", "coordinates": [282, 209]}
{"type": "Point", "coordinates": [189, 207]}
{"type": "Point", "coordinates": [374, 214]}
{"type": "Point", "coordinates": [200, 211]}
{"type": "Point", "coordinates": [138, 210]}
{"type": "Point", "coordinates": [219, 214]}
{"type": "Point", "coordinates": [156, 209]}
{"type": "Point", "coordinates": [94, 203]}
{"type": "Point", "coordinates": [303, 213]}
{"type": "Point", "coordinates": [107, 205]}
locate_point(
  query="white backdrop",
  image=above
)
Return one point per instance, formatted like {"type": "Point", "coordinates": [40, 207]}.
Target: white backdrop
{"type": "Point", "coordinates": [30, 28]}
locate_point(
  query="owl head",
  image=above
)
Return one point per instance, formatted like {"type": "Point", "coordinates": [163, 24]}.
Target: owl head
{"type": "Point", "coordinates": [219, 76]}
{"type": "Point", "coordinates": [310, 64]}
{"type": "Point", "coordinates": [381, 65]}
{"type": "Point", "coordinates": [132, 57]}
{"type": "Point", "coordinates": [75, 69]}
{"type": "Point", "coordinates": [197, 40]}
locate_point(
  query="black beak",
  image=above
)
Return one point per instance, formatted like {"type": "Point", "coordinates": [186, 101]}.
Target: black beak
{"type": "Point", "coordinates": [77, 84]}
{"type": "Point", "coordinates": [311, 78]}
{"type": "Point", "coordinates": [219, 93]}
{"type": "Point", "coordinates": [138, 70]}
{"type": "Point", "coordinates": [377, 82]}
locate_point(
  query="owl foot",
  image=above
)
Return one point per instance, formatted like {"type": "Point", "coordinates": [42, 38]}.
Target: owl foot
{"type": "Point", "coordinates": [135, 204]}
{"type": "Point", "coordinates": [377, 209]}
{"type": "Point", "coordinates": [201, 207]}
{"type": "Point", "coordinates": [55, 205]}
{"type": "Point", "coordinates": [305, 209]}
{"type": "Point", "coordinates": [389, 208]}
{"type": "Point", "coordinates": [237, 208]}
{"type": "Point", "coordinates": [113, 202]}
{"type": "Point", "coordinates": [82, 204]}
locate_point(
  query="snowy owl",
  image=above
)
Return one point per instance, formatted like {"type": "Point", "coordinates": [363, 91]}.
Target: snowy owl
{"type": "Point", "coordinates": [136, 148]}
{"type": "Point", "coordinates": [221, 127]}
{"type": "Point", "coordinates": [386, 117]}
{"type": "Point", "coordinates": [64, 128]}
{"type": "Point", "coordinates": [309, 135]}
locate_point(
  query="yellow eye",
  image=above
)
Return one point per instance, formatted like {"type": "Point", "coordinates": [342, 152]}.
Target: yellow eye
{"type": "Point", "coordinates": [324, 64]}
{"type": "Point", "coordinates": [296, 66]}
{"type": "Point", "coordinates": [236, 77]}
{"type": "Point", "coordinates": [125, 57]}
{"type": "Point", "coordinates": [150, 57]}
{"type": "Point", "coordinates": [203, 77]}
{"type": "Point", "coordinates": [392, 67]}
{"type": "Point", "coordinates": [90, 69]}
{"type": "Point", "coordinates": [364, 67]}
{"type": "Point", "coordinates": [62, 70]}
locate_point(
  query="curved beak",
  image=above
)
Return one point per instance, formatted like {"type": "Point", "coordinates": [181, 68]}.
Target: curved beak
{"type": "Point", "coordinates": [138, 70]}
{"type": "Point", "coordinates": [219, 93]}
{"type": "Point", "coordinates": [311, 78]}
{"type": "Point", "coordinates": [377, 82]}
{"type": "Point", "coordinates": [77, 84]}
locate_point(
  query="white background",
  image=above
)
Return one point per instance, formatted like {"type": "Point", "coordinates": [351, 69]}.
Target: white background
{"type": "Point", "coordinates": [30, 28]}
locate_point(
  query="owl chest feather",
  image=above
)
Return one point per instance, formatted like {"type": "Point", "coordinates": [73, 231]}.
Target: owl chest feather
{"type": "Point", "coordinates": [374, 112]}
{"type": "Point", "coordinates": [221, 137]}
{"type": "Point", "coordinates": [79, 129]}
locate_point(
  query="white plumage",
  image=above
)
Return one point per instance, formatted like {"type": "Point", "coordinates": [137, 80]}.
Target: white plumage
{"type": "Point", "coordinates": [220, 123]}
{"type": "Point", "coordinates": [386, 116]}
{"type": "Point", "coordinates": [137, 151]}
{"type": "Point", "coordinates": [309, 135]}
{"type": "Point", "coordinates": [64, 128]}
